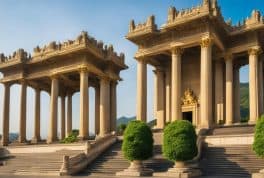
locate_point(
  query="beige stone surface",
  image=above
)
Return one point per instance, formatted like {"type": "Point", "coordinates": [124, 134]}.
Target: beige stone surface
{"type": "Point", "coordinates": [62, 69]}
{"type": "Point", "coordinates": [203, 66]}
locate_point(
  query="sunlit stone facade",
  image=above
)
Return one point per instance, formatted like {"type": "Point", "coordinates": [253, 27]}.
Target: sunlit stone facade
{"type": "Point", "coordinates": [197, 56]}
{"type": "Point", "coordinates": [61, 69]}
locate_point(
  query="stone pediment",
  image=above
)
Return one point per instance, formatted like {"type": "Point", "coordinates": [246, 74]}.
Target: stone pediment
{"type": "Point", "coordinates": [189, 98]}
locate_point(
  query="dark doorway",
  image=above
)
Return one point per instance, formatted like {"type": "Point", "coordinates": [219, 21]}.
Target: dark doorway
{"type": "Point", "coordinates": [187, 116]}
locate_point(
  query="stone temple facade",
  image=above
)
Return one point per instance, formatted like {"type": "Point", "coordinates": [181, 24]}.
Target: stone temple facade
{"type": "Point", "coordinates": [197, 56]}
{"type": "Point", "coordinates": [61, 69]}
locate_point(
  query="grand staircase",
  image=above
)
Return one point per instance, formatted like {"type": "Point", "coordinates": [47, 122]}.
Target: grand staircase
{"type": "Point", "coordinates": [230, 160]}
{"type": "Point", "coordinates": [35, 163]}
{"type": "Point", "coordinates": [113, 161]}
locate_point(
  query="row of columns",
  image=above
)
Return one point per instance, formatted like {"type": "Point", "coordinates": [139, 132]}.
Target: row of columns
{"type": "Point", "coordinates": [167, 101]}
{"type": "Point", "coordinates": [167, 88]}
{"type": "Point", "coordinates": [105, 110]}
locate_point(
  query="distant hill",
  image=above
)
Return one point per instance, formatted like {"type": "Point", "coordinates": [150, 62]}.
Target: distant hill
{"type": "Point", "coordinates": [125, 120]}
{"type": "Point", "coordinates": [244, 101]}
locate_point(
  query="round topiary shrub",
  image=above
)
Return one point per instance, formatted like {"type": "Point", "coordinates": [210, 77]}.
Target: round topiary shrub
{"type": "Point", "coordinates": [258, 145]}
{"type": "Point", "coordinates": [179, 141]}
{"type": "Point", "coordinates": [138, 141]}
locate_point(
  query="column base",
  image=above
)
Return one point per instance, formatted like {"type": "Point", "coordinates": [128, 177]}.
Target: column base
{"type": "Point", "coordinates": [22, 140]}
{"type": "Point", "coordinates": [52, 140]}
{"type": "Point", "coordinates": [82, 138]}
{"type": "Point", "coordinates": [35, 139]}
{"type": "Point", "coordinates": [4, 143]}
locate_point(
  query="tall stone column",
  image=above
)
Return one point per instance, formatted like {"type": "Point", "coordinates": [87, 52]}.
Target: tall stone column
{"type": "Point", "coordinates": [206, 83]}
{"type": "Point", "coordinates": [168, 95]}
{"type": "Point", "coordinates": [253, 84]}
{"type": "Point", "coordinates": [236, 95]}
{"type": "Point", "coordinates": [160, 99]}
{"type": "Point", "coordinates": [52, 135]}
{"type": "Point", "coordinates": [69, 114]}
{"type": "Point", "coordinates": [23, 112]}
{"type": "Point", "coordinates": [104, 107]}
{"type": "Point", "coordinates": [6, 105]}
{"type": "Point", "coordinates": [62, 117]}
{"type": "Point", "coordinates": [84, 104]}
{"type": "Point", "coordinates": [36, 138]}
{"type": "Point", "coordinates": [155, 98]}
{"type": "Point", "coordinates": [113, 106]}
{"type": "Point", "coordinates": [219, 93]}
{"type": "Point", "coordinates": [176, 111]}
{"type": "Point", "coordinates": [141, 90]}
{"type": "Point", "coordinates": [229, 89]}
{"type": "Point", "coordinates": [260, 75]}
{"type": "Point", "coordinates": [97, 110]}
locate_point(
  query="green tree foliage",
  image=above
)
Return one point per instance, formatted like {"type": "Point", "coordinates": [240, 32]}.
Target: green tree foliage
{"type": "Point", "coordinates": [258, 145]}
{"type": "Point", "coordinates": [121, 128]}
{"type": "Point", "coordinates": [73, 137]}
{"type": "Point", "coordinates": [138, 141]}
{"type": "Point", "coordinates": [179, 142]}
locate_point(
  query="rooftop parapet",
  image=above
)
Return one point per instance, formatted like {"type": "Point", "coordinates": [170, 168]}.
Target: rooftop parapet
{"type": "Point", "coordinates": [18, 56]}
{"type": "Point", "coordinates": [142, 28]}
{"type": "Point", "coordinates": [256, 19]}
{"type": "Point", "coordinates": [177, 17]}
{"type": "Point", "coordinates": [83, 40]}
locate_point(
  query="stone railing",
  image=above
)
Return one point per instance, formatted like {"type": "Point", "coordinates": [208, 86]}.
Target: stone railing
{"type": "Point", "coordinates": [73, 165]}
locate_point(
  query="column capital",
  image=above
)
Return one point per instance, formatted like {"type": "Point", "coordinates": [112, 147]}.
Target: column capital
{"type": "Point", "coordinates": [228, 56]}
{"type": "Point", "coordinates": [54, 76]}
{"type": "Point", "coordinates": [206, 42]}
{"type": "Point", "coordinates": [22, 81]}
{"type": "Point", "coordinates": [256, 50]}
{"type": "Point", "coordinates": [177, 51]}
{"type": "Point", "coordinates": [83, 69]}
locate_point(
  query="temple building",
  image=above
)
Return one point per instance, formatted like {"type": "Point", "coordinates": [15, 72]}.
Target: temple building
{"type": "Point", "coordinates": [197, 56]}
{"type": "Point", "coordinates": [61, 69]}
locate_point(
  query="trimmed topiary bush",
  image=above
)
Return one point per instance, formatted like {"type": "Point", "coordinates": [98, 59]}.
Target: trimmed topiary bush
{"type": "Point", "coordinates": [258, 145]}
{"type": "Point", "coordinates": [138, 141]}
{"type": "Point", "coordinates": [179, 141]}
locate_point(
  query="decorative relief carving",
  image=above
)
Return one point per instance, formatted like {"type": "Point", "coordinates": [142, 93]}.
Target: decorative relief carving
{"type": "Point", "coordinates": [189, 98]}
{"type": "Point", "coordinates": [206, 42]}
{"type": "Point", "coordinates": [177, 51]}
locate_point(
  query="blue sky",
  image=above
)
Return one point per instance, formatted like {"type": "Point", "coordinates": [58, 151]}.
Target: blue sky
{"type": "Point", "coordinates": [28, 23]}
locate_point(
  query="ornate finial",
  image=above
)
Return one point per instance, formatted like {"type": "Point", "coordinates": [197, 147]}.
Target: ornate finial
{"type": "Point", "coordinates": [171, 14]}
{"type": "Point", "coordinates": [151, 21]}
{"type": "Point", "coordinates": [189, 98]}
{"type": "Point", "coordinates": [131, 26]}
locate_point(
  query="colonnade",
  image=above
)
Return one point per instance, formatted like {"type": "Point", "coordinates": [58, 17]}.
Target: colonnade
{"type": "Point", "coordinates": [105, 109]}
{"type": "Point", "coordinates": [168, 84]}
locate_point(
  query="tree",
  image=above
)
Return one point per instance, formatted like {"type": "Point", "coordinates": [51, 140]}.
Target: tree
{"type": "Point", "coordinates": [258, 145]}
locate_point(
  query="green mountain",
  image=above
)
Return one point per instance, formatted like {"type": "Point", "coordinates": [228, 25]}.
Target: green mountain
{"type": "Point", "coordinates": [125, 120]}
{"type": "Point", "coordinates": [244, 101]}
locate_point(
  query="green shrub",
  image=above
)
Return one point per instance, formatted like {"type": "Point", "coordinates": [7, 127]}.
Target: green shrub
{"type": "Point", "coordinates": [73, 137]}
{"type": "Point", "coordinates": [121, 128]}
{"type": "Point", "coordinates": [179, 142]}
{"type": "Point", "coordinates": [258, 145]}
{"type": "Point", "coordinates": [138, 141]}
